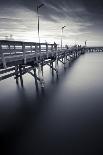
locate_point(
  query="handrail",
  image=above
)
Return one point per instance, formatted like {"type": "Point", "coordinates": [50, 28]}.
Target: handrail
{"type": "Point", "coordinates": [22, 42]}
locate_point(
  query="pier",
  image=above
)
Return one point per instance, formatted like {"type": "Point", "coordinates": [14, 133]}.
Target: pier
{"type": "Point", "coordinates": [94, 49]}
{"type": "Point", "coordinates": [18, 58]}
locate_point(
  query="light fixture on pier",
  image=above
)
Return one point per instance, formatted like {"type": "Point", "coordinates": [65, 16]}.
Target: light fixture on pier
{"type": "Point", "coordinates": [62, 35]}
{"type": "Point", "coordinates": [38, 7]}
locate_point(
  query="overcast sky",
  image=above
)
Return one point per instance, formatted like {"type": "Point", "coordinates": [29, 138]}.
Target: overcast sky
{"type": "Point", "coordinates": [83, 20]}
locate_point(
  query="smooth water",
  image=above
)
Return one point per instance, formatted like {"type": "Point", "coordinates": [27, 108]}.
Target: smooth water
{"type": "Point", "coordinates": [66, 117]}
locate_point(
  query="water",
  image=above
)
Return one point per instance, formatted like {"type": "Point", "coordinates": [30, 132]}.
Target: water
{"type": "Point", "coordinates": [66, 117]}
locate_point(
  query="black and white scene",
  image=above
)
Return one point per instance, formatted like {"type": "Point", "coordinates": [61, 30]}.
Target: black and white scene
{"type": "Point", "coordinates": [51, 77]}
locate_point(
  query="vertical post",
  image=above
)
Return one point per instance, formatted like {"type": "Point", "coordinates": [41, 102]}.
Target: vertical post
{"type": "Point", "coordinates": [42, 68]}
{"type": "Point", "coordinates": [38, 29]}
{"type": "Point", "coordinates": [36, 50]}
{"type": "Point", "coordinates": [34, 69]}
{"type": "Point", "coordinates": [64, 58]}
{"type": "Point", "coordinates": [51, 65]}
{"type": "Point", "coordinates": [24, 53]}
{"type": "Point", "coordinates": [56, 64]}
{"type": "Point", "coordinates": [55, 46]}
{"type": "Point", "coordinates": [38, 20]}
{"type": "Point", "coordinates": [47, 50]}
{"type": "Point", "coordinates": [62, 36]}
{"type": "Point", "coordinates": [16, 74]}
{"type": "Point", "coordinates": [20, 71]}
{"type": "Point", "coordinates": [40, 75]}
{"type": "Point", "coordinates": [40, 50]}
{"type": "Point", "coordinates": [31, 48]}
{"type": "Point", "coordinates": [9, 48]}
{"type": "Point", "coordinates": [14, 49]}
{"type": "Point", "coordinates": [38, 7]}
{"type": "Point", "coordinates": [36, 82]}
{"type": "Point", "coordinates": [57, 57]}
{"type": "Point", "coordinates": [85, 43]}
{"type": "Point", "coordinates": [2, 56]}
{"type": "Point", "coordinates": [52, 49]}
{"type": "Point", "coordinates": [39, 70]}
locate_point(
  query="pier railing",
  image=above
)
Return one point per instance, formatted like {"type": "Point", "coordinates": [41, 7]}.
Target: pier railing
{"type": "Point", "coordinates": [12, 52]}
{"type": "Point", "coordinates": [18, 58]}
{"type": "Point", "coordinates": [22, 50]}
{"type": "Point", "coordinates": [16, 47]}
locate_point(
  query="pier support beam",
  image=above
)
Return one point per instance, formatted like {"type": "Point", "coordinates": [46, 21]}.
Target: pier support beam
{"type": "Point", "coordinates": [56, 65]}
{"type": "Point", "coordinates": [20, 72]}
{"type": "Point", "coordinates": [65, 60]}
{"type": "Point", "coordinates": [16, 74]}
{"type": "Point", "coordinates": [40, 74]}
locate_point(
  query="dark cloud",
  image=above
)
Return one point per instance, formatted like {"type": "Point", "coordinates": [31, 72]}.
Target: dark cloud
{"type": "Point", "coordinates": [93, 9]}
{"type": "Point", "coordinates": [80, 15]}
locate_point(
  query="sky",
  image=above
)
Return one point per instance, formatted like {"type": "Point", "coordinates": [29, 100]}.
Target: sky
{"type": "Point", "coordinates": [82, 18]}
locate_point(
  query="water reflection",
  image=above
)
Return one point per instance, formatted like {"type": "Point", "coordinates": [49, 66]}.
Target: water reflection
{"type": "Point", "coordinates": [64, 117]}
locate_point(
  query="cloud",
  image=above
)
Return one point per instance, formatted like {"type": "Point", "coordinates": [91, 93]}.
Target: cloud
{"type": "Point", "coordinates": [83, 19]}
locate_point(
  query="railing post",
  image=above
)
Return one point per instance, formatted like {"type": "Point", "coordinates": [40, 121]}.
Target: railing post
{"type": "Point", "coordinates": [52, 50]}
{"type": "Point", "coordinates": [52, 47]}
{"type": "Point", "coordinates": [2, 56]}
{"type": "Point", "coordinates": [36, 51]}
{"type": "Point", "coordinates": [31, 48]}
{"type": "Point", "coordinates": [9, 48]}
{"type": "Point", "coordinates": [47, 50]}
{"type": "Point", "coordinates": [24, 53]}
{"type": "Point", "coordinates": [14, 49]}
{"type": "Point", "coordinates": [40, 50]}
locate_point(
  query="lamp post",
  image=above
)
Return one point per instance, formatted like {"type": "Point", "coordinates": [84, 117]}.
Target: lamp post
{"type": "Point", "coordinates": [38, 7]}
{"type": "Point", "coordinates": [62, 35]}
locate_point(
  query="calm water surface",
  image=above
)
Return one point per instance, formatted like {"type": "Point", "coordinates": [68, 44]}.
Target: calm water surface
{"type": "Point", "coordinates": [66, 117]}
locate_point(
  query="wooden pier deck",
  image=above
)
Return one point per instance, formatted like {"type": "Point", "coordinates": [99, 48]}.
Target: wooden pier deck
{"type": "Point", "coordinates": [18, 58]}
